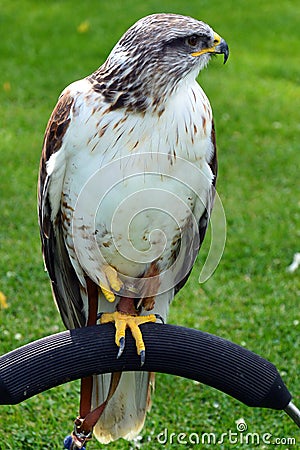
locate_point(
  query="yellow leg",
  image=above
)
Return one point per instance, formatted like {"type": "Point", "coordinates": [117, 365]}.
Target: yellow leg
{"type": "Point", "coordinates": [114, 282]}
{"type": "Point", "coordinates": [122, 321]}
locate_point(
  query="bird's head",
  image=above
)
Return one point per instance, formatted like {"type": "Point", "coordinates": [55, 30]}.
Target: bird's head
{"type": "Point", "coordinates": [159, 51]}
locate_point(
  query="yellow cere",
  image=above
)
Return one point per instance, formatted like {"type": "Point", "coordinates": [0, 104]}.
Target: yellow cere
{"type": "Point", "coordinates": [217, 41]}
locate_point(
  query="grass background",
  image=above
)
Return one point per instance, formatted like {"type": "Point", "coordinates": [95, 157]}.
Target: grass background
{"type": "Point", "coordinates": [251, 299]}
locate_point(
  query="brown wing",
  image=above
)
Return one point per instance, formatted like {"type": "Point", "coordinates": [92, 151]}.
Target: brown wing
{"type": "Point", "coordinates": [193, 243]}
{"type": "Point", "coordinates": [64, 282]}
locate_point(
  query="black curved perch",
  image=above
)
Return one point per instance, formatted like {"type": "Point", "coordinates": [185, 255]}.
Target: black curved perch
{"type": "Point", "coordinates": [175, 350]}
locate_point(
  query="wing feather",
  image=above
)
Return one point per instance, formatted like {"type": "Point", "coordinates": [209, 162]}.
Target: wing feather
{"type": "Point", "coordinates": [64, 281]}
{"type": "Point", "coordinates": [193, 243]}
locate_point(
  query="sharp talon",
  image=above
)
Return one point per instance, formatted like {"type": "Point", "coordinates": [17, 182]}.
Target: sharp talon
{"type": "Point", "coordinates": [143, 357]}
{"type": "Point", "coordinates": [121, 346]}
{"type": "Point", "coordinates": [122, 321]}
{"type": "Point", "coordinates": [159, 318]}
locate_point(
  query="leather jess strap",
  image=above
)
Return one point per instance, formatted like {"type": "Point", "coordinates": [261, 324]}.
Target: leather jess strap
{"type": "Point", "coordinates": [87, 419]}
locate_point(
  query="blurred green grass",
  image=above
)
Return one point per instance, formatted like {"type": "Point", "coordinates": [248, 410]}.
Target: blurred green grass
{"type": "Point", "coordinates": [251, 299]}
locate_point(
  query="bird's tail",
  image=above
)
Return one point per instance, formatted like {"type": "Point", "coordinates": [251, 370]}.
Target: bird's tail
{"type": "Point", "coordinates": [125, 413]}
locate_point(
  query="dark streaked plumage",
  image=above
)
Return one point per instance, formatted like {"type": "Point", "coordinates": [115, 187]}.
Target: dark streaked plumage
{"type": "Point", "coordinates": [150, 59]}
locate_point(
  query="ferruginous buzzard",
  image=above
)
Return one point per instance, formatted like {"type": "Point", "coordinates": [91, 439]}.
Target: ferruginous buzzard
{"type": "Point", "coordinates": [126, 186]}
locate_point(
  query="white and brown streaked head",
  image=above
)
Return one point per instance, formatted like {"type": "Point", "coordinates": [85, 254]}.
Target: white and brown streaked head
{"type": "Point", "coordinates": [153, 56]}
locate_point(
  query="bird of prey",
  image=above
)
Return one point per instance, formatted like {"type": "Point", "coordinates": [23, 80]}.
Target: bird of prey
{"type": "Point", "coordinates": [126, 186]}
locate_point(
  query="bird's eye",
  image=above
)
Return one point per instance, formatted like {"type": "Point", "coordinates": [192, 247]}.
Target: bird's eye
{"type": "Point", "coordinates": [193, 40]}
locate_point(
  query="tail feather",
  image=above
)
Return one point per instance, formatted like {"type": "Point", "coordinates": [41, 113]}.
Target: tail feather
{"type": "Point", "coordinates": [125, 413]}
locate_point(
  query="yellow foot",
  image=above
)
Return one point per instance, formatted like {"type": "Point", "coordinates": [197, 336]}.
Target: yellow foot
{"type": "Point", "coordinates": [113, 281]}
{"type": "Point", "coordinates": [122, 321]}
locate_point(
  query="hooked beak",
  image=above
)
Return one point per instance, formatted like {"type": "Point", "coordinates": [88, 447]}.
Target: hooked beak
{"type": "Point", "coordinates": [220, 46]}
